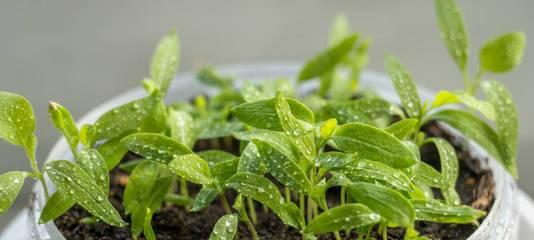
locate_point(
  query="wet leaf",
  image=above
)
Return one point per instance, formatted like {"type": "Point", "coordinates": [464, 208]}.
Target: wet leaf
{"type": "Point", "coordinates": [224, 169]}
{"type": "Point", "coordinates": [449, 169]}
{"type": "Point", "coordinates": [250, 160]}
{"type": "Point", "coordinates": [93, 164]}
{"type": "Point", "coordinates": [164, 63]}
{"type": "Point", "coordinates": [155, 147]}
{"type": "Point", "coordinates": [373, 144]}
{"type": "Point", "coordinates": [452, 31]}
{"type": "Point", "coordinates": [214, 156]}
{"type": "Point", "coordinates": [58, 204]}
{"type": "Point", "coordinates": [403, 128]}
{"type": "Point", "coordinates": [503, 53]}
{"type": "Point", "coordinates": [425, 174]}
{"type": "Point", "coordinates": [140, 183]}
{"type": "Point", "coordinates": [182, 127]}
{"type": "Point", "coordinates": [192, 168]}
{"type": "Point", "coordinates": [278, 140]}
{"type": "Point", "coordinates": [343, 217]}
{"type": "Point", "coordinates": [63, 121]}
{"type": "Point", "coordinates": [372, 172]}
{"type": "Point", "coordinates": [156, 195]}
{"type": "Point", "coordinates": [328, 59]}
{"type": "Point", "coordinates": [80, 187]}
{"type": "Point", "coordinates": [17, 121]}
{"type": "Point", "coordinates": [435, 211]}
{"type": "Point", "coordinates": [506, 122]}
{"type": "Point", "coordinates": [10, 185]}
{"type": "Point", "coordinates": [112, 151]}
{"type": "Point", "coordinates": [335, 159]}
{"type": "Point", "coordinates": [362, 110]}
{"type": "Point", "coordinates": [218, 129]}
{"type": "Point", "coordinates": [405, 86]}
{"type": "Point", "coordinates": [204, 197]}
{"type": "Point", "coordinates": [390, 204]}
{"type": "Point", "coordinates": [446, 97]}
{"type": "Point", "coordinates": [258, 188]}
{"type": "Point", "coordinates": [318, 194]}
{"type": "Point", "coordinates": [225, 228]}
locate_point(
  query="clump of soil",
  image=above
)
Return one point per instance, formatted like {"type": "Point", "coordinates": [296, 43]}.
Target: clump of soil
{"type": "Point", "coordinates": [474, 185]}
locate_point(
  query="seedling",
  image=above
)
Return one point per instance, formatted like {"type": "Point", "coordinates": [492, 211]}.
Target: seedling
{"type": "Point", "coordinates": [292, 148]}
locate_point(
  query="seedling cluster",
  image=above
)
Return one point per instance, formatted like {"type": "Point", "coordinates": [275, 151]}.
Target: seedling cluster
{"type": "Point", "coordinates": [293, 148]}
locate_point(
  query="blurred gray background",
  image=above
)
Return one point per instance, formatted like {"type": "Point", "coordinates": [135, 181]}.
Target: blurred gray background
{"type": "Point", "coordinates": [81, 53]}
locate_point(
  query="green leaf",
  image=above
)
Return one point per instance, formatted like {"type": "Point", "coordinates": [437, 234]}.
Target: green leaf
{"type": "Point", "coordinates": [93, 164]}
{"type": "Point", "coordinates": [291, 215]}
{"type": "Point", "coordinates": [282, 168]}
{"type": "Point", "coordinates": [423, 173]}
{"type": "Point", "coordinates": [17, 121]}
{"type": "Point", "coordinates": [129, 166]}
{"type": "Point", "coordinates": [335, 159]}
{"type": "Point", "coordinates": [182, 127]}
{"type": "Point", "coordinates": [328, 59]}
{"type": "Point", "coordinates": [164, 63]}
{"type": "Point", "coordinates": [262, 114]}
{"type": "Point", "coordinates": [403, 128]}
{"type": "Point", "coordinates": [209, 76]}
{"type": "Point", "coordinates": [405, 86]}
{"type": "Point", "coordinates": [10, 185]}
{"type": "Point", "coordinates": [112, 151]}
{"type": "Point", "coordinates": [372, 172]}
{"type": "Point", "coordinates": [88, 135]}
{"type": "Point", "coordinates": [156, 195]}
{"type": "Point", "coordinates": [435, 211]}
{"type": "Point", "coordinates": [224, 169]}
{"type": "Point", "coordinates": [179, 200]}
{"type": "Point", "coordinates": [148, 231]}
{"type": "Point", "coordinates": [302, 137]}
{"type": "Point", "coordinates": [278, 140]}
{"type": "Point", "coordinates": [343, 217]}
{"type": "Point", "coordinates": [250, 160]}
{"type": "Point", "coordinates": [225, 228]}
{"type": "Point", "coordinates": [389, 203]}
{"type": "Point", "coordinates": [218, 129]}
{"type": "Point", "coordinates": [214, 156]}
{"type": "Point", "coordinates": [472, 128]}
{"type": "Point", "coordinates": [503, 53]}
{"type": "Point", "coordinates": [373, 144]}
{"type": "Point", "coordinates": [63, 121]}
{"type": "Point", "coordinates": [339, 30]}
{"type": "Point", "coordinates": [452, 31]}
{"type": "Point", "coordinates": [446, 97]}
{"type": "Point", "coordinates": [449, 168]}
{"type": "Point", "coordinates": [506, 122]}
{"type": "Point", "coordinates": [155, 147]}
{"type": "Point", "coordinates": [80, 187]}
{"type": "Point", "coordinates": [55, 206]}
{"type": "Point", "coordinates": [258, 188]}
{"type": "Point", "coordinates": [318, 194]}
{"type": "Point", "coordinates": [126, 118]}
{"type": "Point", "coordinates": [362, 110]}
{"type": "Point", "coordinates": [204, 197]}
{"type": "Point", "coordinates": [192, 168]}
{"type": "Point", "coordinates": [140, 183]}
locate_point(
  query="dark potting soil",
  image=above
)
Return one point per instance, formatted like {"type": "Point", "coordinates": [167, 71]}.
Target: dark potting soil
{"type": "Point", "coordinates": [474, 185]}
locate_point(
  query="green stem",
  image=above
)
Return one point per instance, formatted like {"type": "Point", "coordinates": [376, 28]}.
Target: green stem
{"type": "Point", "coordinates": [183, 187]}
{"type": "Point", "coordinates": [336, 233]}
{"type": "Point", "coordinates": [225, 204]}
{"type": "Point", "coordinates": [252, 210]}
{"type": "Point", "coordinates": [249, 224]}
{"type": "Point", "coordinates": [472, 90]}
{"type": "Point", "coordinates": [302, 204]}
{"type": "Point", "coordinates": [38, 174]}
{"type": "Point", "coordinates": [288, 194]}
{"type": "Point", "coordinates": [467, 84]}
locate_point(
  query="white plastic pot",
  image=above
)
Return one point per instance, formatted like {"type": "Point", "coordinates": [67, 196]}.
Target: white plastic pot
{"type": "Point", "coordinates": [501, 222]}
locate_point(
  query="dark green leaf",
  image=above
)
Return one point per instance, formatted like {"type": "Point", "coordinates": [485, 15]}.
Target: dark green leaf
{"type": "Point", "coordinates": [80, 187]}
{"type": "Point", "coordinates": [177, 199]}
{"type": "Point", "coordinates": [155, 147]}
{"type": "Point", "coordinates": [93, 164]}
{"type": "Point", "coordinates": [347, 216]}
{"type": "Point", "coordinates": [225, 228]}
{"type": "Point", "coordinates": [58, 204]}
{"type": "Point", "coordinates": [224, 169]}
{"type": "Point", "coordinates": [389, 203]}
{"type": "Point", "coordinates": [155, 197]}
{"type": "Point", "coordinates": [192, 168]}
{"type": "Point", "coordinates": [452, 31]}
{"type": "Point", "coordinates": [373, 144]}
{"type": "Point", "coordinates": [318, 194]}
{"type": "Point", "coordinates": [63, 121]}
{"type": "Point", "coordinates": [164, 63]}
{"type": "Point", "coordinates": [405, 86]}
{"type": "Point", "coordinates": [502, 53]}
{"type": "Point", "coordinates": [204, 198]}
{"type": "Point", "coordinates": [214, 156]}
{"type": "Point", "coordinates": [140, 183]}
{"type": "Point", "coordinates": [328, 59]}
{"type": "Point", "coordinates": [435, 211]}
{"type": "Point", "coordinates": [10, 185]}
{"type": "Point", "coordinates": [403, 128]}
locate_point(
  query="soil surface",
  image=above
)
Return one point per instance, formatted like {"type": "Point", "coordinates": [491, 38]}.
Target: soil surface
{"type": "Point", "coordinates": [474, 185]}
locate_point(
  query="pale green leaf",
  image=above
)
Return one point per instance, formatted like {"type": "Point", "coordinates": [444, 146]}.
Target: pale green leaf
{"type": "Point", "coordinates": [17, 121]}
{"type": "Point", "coordinates": [164, 63]}
{"type": "Point", "coordinates": [339, 30]}
{"type": "Point", "coordinates": [452, 31]}
{"type": "Point", "coordinates": [405, 86]}
{"type": "Point", "coordinates": [435, 211]}
{"type": "Point", "coordinates": [506, 122]}
{"type": "Point", "coordinates": [343, 217]}
{"type": "Point", "coordinates": [373, 144]}
{"type": "Point", "coordinates": [182, 127]}
{"type": "Point", "coordinates": [10, 185]}
{"type": "Point", "coordinates": [214, 156]}
{"type": "Point", "coordinates": [352, 111]}
{"type": "Point", "coordinates": [192, 168]}
{"type": "Point", "coordinates": [250, 160]}
{"type": "Point", "coordinates": [449, 168]}
{"type": "Point", "coordinates": [209, 76]}
{"type": "Point", "coordinates": [318, 194]}
{"type": "Point", "coordinates": [335, 159]}
{"type": "Point", "coordinates": [155, 147]}
{"type": "Point", "coordinates": [63, 121]}
{"type": "Point", "coordinates": [503, 53]}
{"type": "Point", "coordinates": [278, 140]}
{"type": "Point", "coordinates": [373, 172]}
{"type": "Point", "coordinates": [225, 228]}
{"type": "Point", "coordinates": [80, 187]}
{"type": "Point", "coordinates": [403, 128]}
{"type": "Point", "coordinates": [148, 231]}
{"type": "Point", "coordinates": [258, 188]}
{"type": "Point", "coordinates": [446, 97]}
{"type": "Point", "coordinates": [425, 174]}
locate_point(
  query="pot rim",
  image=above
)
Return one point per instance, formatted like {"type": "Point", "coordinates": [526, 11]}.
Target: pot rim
{"type": "Point", "coordinates": [501, 221]}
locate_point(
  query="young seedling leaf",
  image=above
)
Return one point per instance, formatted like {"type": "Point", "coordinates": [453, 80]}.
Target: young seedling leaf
{"type": "Point", "coordinates": [425, 174]}
{"type": "Point", "coordinates": [93, 164]}
{"type": "Point", "coordinates": [224, 169]}
{"type": "Point", "coordinates": [258, 188]}
{"type": "Point", "coordinates": [10, 185]}
{"type": "Point", "coordinates": [472, 128]}
{"type": "Point", "coordinates": [435, 211]}
{"type": "Point", "coordinates": [155, 147]}
{"type": "Point", "coordinates": [204, 197]}
{"type": "Point", "coordinates": [209, 76]}
{"type": "Point", "coordinates": [405, 86]}
{"type": "Point", "coordinates": [17, 121]}
{"type": "Point", "coordinates": [362, 110]}
{"type": "Point", "coordinates": [112, 151]}
{"type": "Point", "coordinates": [335, 159]}
{"type": "Point", "coordinates": [403, 128]}
{"type": "Point", "coordinates": [58, 204]}
{"type": "Point", "coordinates": [218, 129]}
{"type": "Point", "coordinates": [179, 200]}
{"type": "Point", "coordinates": [343, 217]}
{"type": "Point", "coordinates": [214, 156]}
{"type": "Point", "coordinates": [225, 228]}
{"type": "Point", "coordinates": [449, 169]}
{"type": "Point", "coordinates": [373, 144]}
{"type": "Point", "coordinates": [140, 183]}
{"type": "Point", "coordinates": [80, 187]}
{"type": "Point", "coordinates": [88, 135]}
{"type": "Point", "coordinates": [339, 30]}
{"type": "Point", "coordinates": [318, 194]}
{"type": "Point", "coordinates": [164, 63]}
{"type": "Point", "coordinates": [390, 204]}
{"type": "Point", "coordinates": [278, 140]}
{"type": "Point", "coordinates": [282, 168]}
{"type": "Point", "coordinates": [63, 121]}
{"type": "Point", "coordinates": [250, 160]}
{"type": "Point", "coordinates": [182, 127]}
{"type": "Point", "coordinates": [503, 53]}
{"type": "Point", "coordinates": [371, 171]}
{"type": "Point", "coordinates": [126, 118]}
{"type": "Point", "coordinates": [452, 31]}
{"type": "Point", "coordinates": [148, 231]}
{"type": "Point", "coordinates": [155, 197]}
{"type": "Point", "coordinates": [193, 168]}
{"type": "Point", "coordinates": [506, 122]}
{"type": "Point", "coordinates": [328, 59]}
{"type": "Point", "coordinates": [446, 97]}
